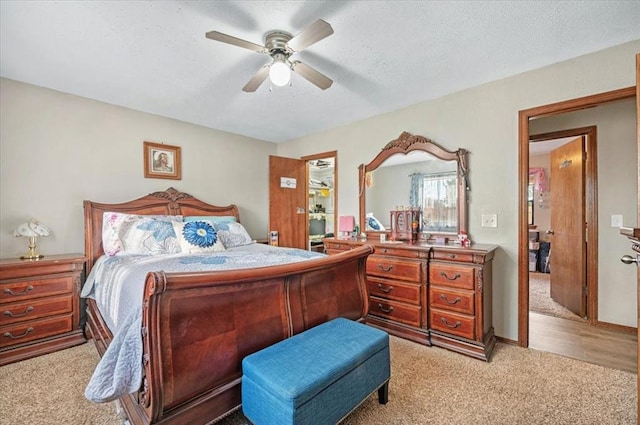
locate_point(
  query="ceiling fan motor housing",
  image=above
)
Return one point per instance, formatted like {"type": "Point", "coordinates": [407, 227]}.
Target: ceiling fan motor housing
{"type": "Point", "coordinates": [276, 42]}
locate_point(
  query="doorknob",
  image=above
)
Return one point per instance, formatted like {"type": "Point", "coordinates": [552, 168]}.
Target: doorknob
{"type": "Point", "coordinates": [550, 232]}
{"type": "Point", "coordinates": [627, 259]}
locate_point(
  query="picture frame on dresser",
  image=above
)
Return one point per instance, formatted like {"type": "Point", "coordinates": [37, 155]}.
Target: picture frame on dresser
{"type": "Point", "coordinates": [162, 161]}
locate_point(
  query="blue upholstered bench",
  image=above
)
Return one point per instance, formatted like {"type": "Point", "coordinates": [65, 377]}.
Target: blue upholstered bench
{"type": "Point", "coordinates": [318, 376]}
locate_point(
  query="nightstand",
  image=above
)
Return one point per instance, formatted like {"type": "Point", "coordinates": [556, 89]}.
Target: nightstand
{"type": "Point", "coordinates": [39, 305]}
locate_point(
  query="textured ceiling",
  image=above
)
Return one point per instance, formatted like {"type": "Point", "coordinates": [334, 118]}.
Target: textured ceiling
{"type": "Point", "coordinates": [384, 55]}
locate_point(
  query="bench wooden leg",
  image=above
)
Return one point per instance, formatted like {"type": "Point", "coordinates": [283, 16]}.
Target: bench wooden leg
{"type": "Point", "coordinates": [383, 393]}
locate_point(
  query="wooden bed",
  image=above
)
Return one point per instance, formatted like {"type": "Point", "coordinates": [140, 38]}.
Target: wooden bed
{"type": "Point", "coordinates": [255, 308]}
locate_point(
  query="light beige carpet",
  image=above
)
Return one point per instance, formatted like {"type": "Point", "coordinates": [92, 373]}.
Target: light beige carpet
{"type": "Point", "coordinates": [429, 385]}
{"type": "Point", "coordinates": [540, 300]}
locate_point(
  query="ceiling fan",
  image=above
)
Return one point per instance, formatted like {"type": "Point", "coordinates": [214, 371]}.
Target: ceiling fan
{"type": "Point", "coordinates": [280, 45]}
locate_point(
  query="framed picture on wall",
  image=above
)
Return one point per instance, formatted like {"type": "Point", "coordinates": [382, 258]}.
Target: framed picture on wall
{"type": "Point", "coordinates": [162, 161]}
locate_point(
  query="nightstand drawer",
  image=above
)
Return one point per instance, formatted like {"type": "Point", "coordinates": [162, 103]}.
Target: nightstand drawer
{"type": "Point", "coordinates": [35, 309]}
{"type": "Point", "coordinates": [396, 311]}
{"type": "Point", "coordinates": [393, 268]}
{"type": "Point", "coordinates": [36, 287]}
{"type": "Point", "coordinates": [453, 323]}
{"type": "Point", "coordinates": [37, 329]}
{"type": "Point", "coordinates": [394, 290]}
{"type": "Point", "coordinates": [451, 275]}
{"type": "Point", "coordinates": [450, 299]}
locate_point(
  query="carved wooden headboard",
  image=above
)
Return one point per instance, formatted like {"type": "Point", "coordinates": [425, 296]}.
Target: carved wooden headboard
{"type": "Point", "coordinates": [169, 202]}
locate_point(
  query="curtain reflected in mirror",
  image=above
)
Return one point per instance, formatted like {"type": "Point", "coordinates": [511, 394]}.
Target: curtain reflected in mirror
{"type": "Point", "coordinates": [436, 195]}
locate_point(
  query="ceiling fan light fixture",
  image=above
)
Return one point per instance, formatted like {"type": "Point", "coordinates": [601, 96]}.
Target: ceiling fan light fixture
{"type": "Point", "coordinates": [280, 73]}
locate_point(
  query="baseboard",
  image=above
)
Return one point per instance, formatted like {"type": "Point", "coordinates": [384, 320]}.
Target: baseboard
{"type": "Point", "coordinates": [616, 327]}
{"type": "Point", "coordinates": [507, 340]}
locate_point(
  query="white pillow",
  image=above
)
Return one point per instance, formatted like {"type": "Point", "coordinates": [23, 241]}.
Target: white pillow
{"type": "Point", "coordinates": [233, 234]}
{"type": "Point", "coordinates": [197, 236]}
{"type": "Point", "coordinates": [115, 227]}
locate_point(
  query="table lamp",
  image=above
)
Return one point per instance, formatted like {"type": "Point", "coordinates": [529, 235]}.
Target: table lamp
{"type": "Point", "coordinates": [31, 229]}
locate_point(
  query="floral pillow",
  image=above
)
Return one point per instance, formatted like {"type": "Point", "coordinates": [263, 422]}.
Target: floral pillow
{"type": "Point", "coordinates": [197, 236]}
{"type": "Point", "coordinates": [233, 234]}
{"type": "Point", "coordinates": [137, 234]}
{"type": "Point", "coordinates": [149, 237]}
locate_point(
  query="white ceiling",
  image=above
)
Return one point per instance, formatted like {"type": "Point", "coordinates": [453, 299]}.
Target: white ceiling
{"type": "Point", "coordinates": [153, 56]}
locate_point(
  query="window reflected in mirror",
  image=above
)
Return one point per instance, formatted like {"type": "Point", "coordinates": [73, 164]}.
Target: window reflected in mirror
{"type": "Point", "coordinates": [438, 200]}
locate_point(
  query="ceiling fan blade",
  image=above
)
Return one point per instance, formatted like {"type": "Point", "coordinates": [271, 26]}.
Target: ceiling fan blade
{"type": "Point", "coordinates": [218, 36]}
{"type": "Point", "coordinates": [257, 79]}
{"type": "Point", "coordinates": [311, 34]}
{"type": "Point", "coordinates": [315, 77]}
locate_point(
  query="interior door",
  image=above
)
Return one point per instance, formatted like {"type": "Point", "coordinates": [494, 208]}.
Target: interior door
{"type": "Point", "coordinates": [288, 201]}
{"type": "Point", "coordinates": [567, 257]}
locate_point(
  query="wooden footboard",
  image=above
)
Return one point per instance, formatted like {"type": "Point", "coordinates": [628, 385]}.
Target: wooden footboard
{"type": "Point", "coordinates": [197, 328]}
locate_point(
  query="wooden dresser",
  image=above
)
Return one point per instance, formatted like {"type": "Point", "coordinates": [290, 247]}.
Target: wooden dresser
{"type": "Point", "coordinates": [432, 294]}
{"type": "Point", "coordinates": [40, 304]}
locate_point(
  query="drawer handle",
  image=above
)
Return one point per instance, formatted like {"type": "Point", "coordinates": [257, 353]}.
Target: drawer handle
{"type": "Point", "coordinates": [447, 324]}
{"type": "Point", "coordinates": [385, 309]}
{"type": "Point", "coordinates": [455, 277]}
{"type": "Point", "coordinates": [26, 291]}
{"type": "Point", "coordinates": [8, 334]}
{"type": "Point", "coordinates": [451, 255]}
{"type": "Point", "coordinates": [385, 290]}
{"type": "Point", "coordinates": [11, 314]}
{"type": "Point", "coordinates": [384, 250]}
{"type": "Point", "coordinates": [385, 268]}
{"type": "Point", "coordinates": [443, 297]}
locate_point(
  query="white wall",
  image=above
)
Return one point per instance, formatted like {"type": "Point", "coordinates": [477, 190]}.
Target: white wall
{"type": "Point", "coordinates": [57, 150]}
{"type": "Point", "coordinates": [483, 120]}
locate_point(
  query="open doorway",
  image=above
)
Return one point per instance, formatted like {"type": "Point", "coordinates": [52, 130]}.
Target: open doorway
{"type": "Point", "coordinates": [563, 227]}
{"type": "Point", "coordinates": [525, 120]}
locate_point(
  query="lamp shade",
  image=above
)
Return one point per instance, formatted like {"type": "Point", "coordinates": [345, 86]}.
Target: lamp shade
{"type": "Point", "coordinates": [279, 73]}
{"type": "Point", "coordinates": [30, 229]}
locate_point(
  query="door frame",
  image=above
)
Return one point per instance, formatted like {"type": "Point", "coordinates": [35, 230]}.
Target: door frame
{"type": "Point", "coordinates": [590, 179]}
{"type": "Point", "coordinates": [523, 181]}
{"type": "Point", "coordinates": [334, 155]}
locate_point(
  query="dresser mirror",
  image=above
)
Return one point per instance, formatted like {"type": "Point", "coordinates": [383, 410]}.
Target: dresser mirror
{"type": "Point", "coordinates": [413, 172]}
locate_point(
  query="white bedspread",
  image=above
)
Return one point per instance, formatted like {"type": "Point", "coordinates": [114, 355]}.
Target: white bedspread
{"type": "Point", "coordinates": [117, 285]}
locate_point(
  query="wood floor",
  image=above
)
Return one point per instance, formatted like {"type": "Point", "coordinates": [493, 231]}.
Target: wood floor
{"type": "Point", "coordinates": [578, 340]}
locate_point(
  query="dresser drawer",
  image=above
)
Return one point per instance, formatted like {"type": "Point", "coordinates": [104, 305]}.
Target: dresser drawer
{"type": "Point", "coordinates": [34, 309]}
{"type": "Point", "coordinates": [451, 275]}
{"type": "Point", "coordinates": [396, 311]}
{"type": "Point", "coordinates": [394, 268]}
{"type": "Point", "coordinates": [36, 288]}
{"type": "Point", "coordinates": [450, 299]}
{"type": "Point", "coordinates": [37, 329]}
{"type": "Point", "coordinates": [331, 247]}
{"type": "Point", "coordinates": [462, 257]}
{"type": "Point", "coordinates": [394, 290]}
{"type": "Point", "coordinates": [452, 323]}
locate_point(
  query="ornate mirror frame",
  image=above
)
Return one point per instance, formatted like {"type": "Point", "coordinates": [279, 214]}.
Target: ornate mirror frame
{"type": "Point", "coordinates": [404, 144]}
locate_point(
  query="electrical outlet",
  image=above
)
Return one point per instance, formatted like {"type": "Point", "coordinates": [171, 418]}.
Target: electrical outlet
{"type": "Point", "coordinates": [489, 220]}
{"type": "Point", "coordinates": [616, 220]}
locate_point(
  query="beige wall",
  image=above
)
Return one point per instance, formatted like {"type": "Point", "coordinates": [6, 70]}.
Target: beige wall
{"type": "Point", "coordinates": [483, 120]}
{"type": "Point", "coordinates": [57, 150]}
{"type": "Point", "coordinates": [617, 194]}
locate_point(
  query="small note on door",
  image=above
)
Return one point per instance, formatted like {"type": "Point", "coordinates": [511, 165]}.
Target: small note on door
{"type": "Point", "coordinates": [288, 182]}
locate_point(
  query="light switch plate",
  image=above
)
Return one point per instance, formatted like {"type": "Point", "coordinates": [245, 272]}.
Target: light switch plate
{"type": "Point", "coordinates": [616, 220]}
{"type": "Point", "coordinates": [489, 220]}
